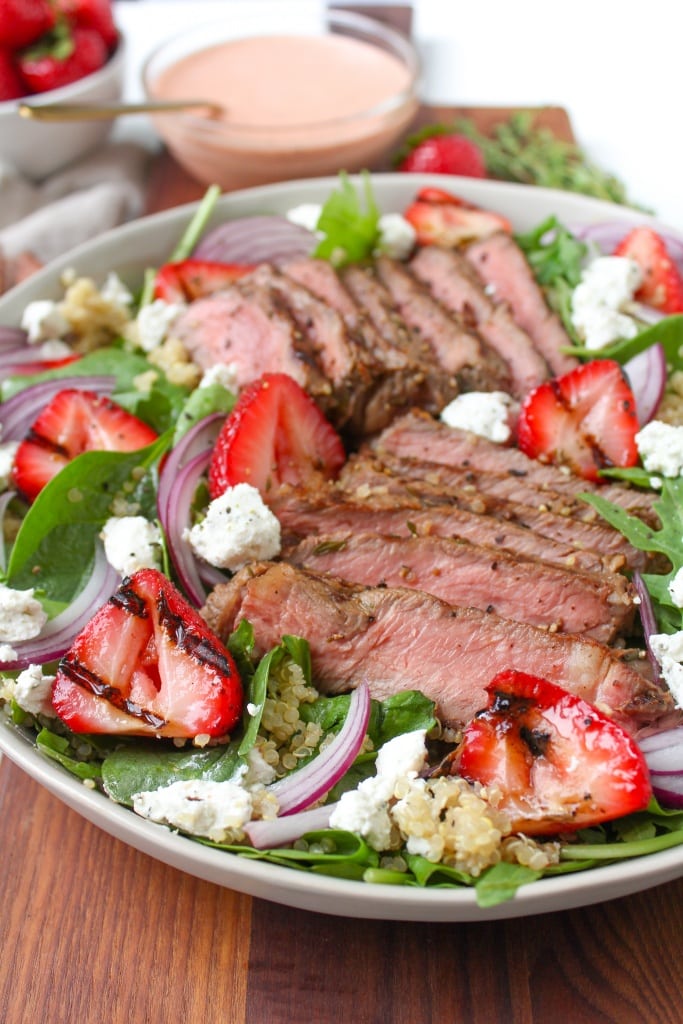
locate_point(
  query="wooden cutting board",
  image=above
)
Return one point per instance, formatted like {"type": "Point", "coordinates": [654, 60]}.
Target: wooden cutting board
{"type": "Point", "coordinates": [170, 185]}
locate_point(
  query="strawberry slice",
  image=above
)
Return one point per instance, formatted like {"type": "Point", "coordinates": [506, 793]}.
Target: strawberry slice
{"type": "Point", "coordinates": [148, 664]}
{"type": "Point", "coordinates": [192, 279]}
{"type": "Point", "coordinates": [440, 218]}
{"type": "Point", "coordinates": [585, 419]}
{"type": "Point", "coordinates": [74, 422]}
{"type": "Point", "coordinates": [560, 763]}
{"type": "Point", "coordinates": [275, 434]}
{"type": "Point", "coordinates": [662, 285]}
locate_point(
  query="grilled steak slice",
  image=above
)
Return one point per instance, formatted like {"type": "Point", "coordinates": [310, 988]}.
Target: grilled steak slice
{"type": "Point", "coordinates": [455, 283]}
{"type": "Point", "coordinates": [395, 510]}
{"type": "Point", "coordinates": [455, 348]}
{"type": "Point", "coordinates": [469, 575]}
{"type": "Point", "coordinates": [437, 485]}
{"type": "Point", "coordinates": [502, 265]}
{"type": "Point", "coordinates": [419, 436]}
{"type": "Point", "coordinates": [400, 639]}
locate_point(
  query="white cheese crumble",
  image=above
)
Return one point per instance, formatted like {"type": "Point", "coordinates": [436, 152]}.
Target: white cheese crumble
{"type": "Point", "coordinates": [7, 653]}
{"type": "Point", "coordinates": [21, 615]}
{"type": "Point", "coordinates": [486, 413]}
{"type": "Point", "coordinates": [225, 374]}
{"type": "Point", "coordinates": [601, 300]}
{"type": "Point", "coordinates": [306, 215]}
{"type": "Point", "coordinates": [238, 528]}
{"type": "Point", "coordinates": [397, 236]}
{"type": "Point", "coordinates": [43, 321]}
{"type": "Point", "coordinates": [365, 810]}
{"type": "Point", "coordinates": [55, 349]}
{"type": "Point", "coordinates": [131, 543]}
{"type": "Point", "coordinates": [33, 691]}
{"type": "Point", "coordinates": [7, 452]}
{"type": "Point", "coordinates": [675, 588]}
{"type": "Point", "coordinates": [660, 446]}
{"type": "Point", "coordinates": [668, 650]}
{"type": "Point", "coordinates": [115, 292]}
{"type": "Point", "coordinates": [153, 322]}
{"type": "Point", "coordinates": [198, 806]}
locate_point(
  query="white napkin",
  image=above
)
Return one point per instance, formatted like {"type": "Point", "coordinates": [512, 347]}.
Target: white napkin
{"type": "Point", "coordinates": [93, 195]}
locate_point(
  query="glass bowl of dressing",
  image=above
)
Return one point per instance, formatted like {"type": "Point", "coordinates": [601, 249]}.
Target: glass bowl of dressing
{"type": "Point", "coordinates": [297, 97]}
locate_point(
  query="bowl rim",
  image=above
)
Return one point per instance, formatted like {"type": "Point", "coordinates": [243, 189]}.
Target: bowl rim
{"type": "Point", "coordinates": [401, 45]}
{"type": "Point", "coordinates": [114, 62]}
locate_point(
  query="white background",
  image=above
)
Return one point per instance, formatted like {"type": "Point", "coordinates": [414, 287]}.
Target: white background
{"type": "Point", "coordinates": [615, 65]}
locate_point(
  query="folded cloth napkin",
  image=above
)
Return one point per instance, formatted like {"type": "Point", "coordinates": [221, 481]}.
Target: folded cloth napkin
{"type": "Point", "coordinates": [40, 222]}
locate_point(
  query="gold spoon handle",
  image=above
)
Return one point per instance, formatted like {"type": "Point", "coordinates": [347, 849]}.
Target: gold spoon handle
{"type": "Point", "coordinates": [105, 111]}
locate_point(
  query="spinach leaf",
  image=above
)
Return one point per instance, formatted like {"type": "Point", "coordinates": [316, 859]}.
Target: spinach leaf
{"type": "Point", "coordinates": [139, 767]}
{"type": "Point", "coordinates": [202, 402]}
{"type": "Point", "coordinates": [56, 748]}
{"type": "Point", "coordinates": [500, 883]}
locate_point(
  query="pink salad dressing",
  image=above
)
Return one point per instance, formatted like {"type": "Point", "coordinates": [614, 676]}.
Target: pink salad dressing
{"type": "Point", "coordinates": [295, 105]}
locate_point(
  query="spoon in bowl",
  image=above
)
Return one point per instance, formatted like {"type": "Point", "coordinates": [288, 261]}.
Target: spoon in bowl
{"type": "Point", "coordinates": [105, 111]}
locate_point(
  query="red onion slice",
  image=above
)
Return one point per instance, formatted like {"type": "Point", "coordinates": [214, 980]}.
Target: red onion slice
{"type": "Point", "coordinates": [302, 788]}
{"type": "Point", "coordinates": [59, 633]}
{"type": "Point", "coordinates": [18, 413]}
{"type": "Point", "coordinates": [607, 235]}
{"type": "Point", "coordinates": [647, 376]}
{"type": "Point", "coordinates": [5, 499]}
{"type": "Point", "coordinates": [664, 755]}
{"type": "Point", "coordinates": [199, 439]}
{"type": "Point", "coordinates": [649, 623]}
{"type": "Point", "coordinates": [255, 240]}
{"type": "Point", "coordinates": [266, 835]}
{"type": "Point", "coordinates": [12, 336]}
{"type": "Point", "coordinates": [175, 517]}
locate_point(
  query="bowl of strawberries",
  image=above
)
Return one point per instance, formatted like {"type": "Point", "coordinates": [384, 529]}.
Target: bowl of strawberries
{"type": "Point", "coordinates": [55, 51]}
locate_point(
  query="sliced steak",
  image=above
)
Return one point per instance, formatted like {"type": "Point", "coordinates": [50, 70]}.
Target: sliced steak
{"type": "Point", "coordinates": [455, 348]}
{"type": "Point", "coordinates": [420, 436]}
{"type": "Point", "coordinates": [455, 283]}
{"type": "Point", "coordinates": [400, 639]}
{"type": "Point", "coordinates": [472, 576]}
{"type": "Point", "coordinates": [433, 484]}
{"type": "Point", "coordinates": [393, 510]}
{"type": "Point", "coordinates": [502, 265]}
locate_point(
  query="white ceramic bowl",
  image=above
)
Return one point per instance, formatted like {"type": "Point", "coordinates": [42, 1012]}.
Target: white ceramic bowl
{"type": "Point", "coordinates": [147, 242]}
{"type": "Point", "coordinates": [38, 148]}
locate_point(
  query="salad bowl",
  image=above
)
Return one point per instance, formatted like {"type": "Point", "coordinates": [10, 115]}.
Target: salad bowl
{"type": "Point", "coordinates": [129, 251]}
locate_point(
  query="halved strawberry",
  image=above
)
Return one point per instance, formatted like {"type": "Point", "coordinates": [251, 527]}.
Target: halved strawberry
{"type": "Point", "coordinates": [560, 763]}
{"type": "Point", "coordinates": [445, 154]}
{"type": "Point", "coordinates": [585, 419]}
{"type": "Point", "coordinates": [440, 218]}
{"type": "Point", "coordinates": [191, 279]}
{"type": "Point", "coordinates": [147, 663]}
{"type": "Point", "coordinates": [72, 423]}
{"type": "Point", "coordinates": [662, 285]}
{"type": "Point", "coordinates": [275, 434]}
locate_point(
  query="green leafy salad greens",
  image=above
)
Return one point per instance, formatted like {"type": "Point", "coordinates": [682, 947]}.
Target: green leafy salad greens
{"type": "Point", "coordinates": [56, 543]}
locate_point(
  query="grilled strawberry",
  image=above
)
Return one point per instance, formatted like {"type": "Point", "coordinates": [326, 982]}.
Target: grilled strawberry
{"type": "Point", "coordinates": [92, 14]}
{"type": "Point", "coordinates": [24, 21]}
{"type": "Point", "coordinates": [440, 218]}
{"type": "Point", "coordinates": [11, 85]}
{"type": "Point", "coordinates": [662, 285]}
{"type": "Point", "coordinates": [560, 763]}
{"type": "Point", "coordinates": [147, 663]}
{"type": "Point", "coordinates": [192, 279]}
{"type": "Point", "coordinates": [71, 57]}
{"type": "Point", "coordinates": [275, 434]}
{"type": "Point", "coordinates": [74, 422]}
{"type": "Point", "coordinates": [585, 419]}
{"type": "Point", "coordinates": [445, 154]}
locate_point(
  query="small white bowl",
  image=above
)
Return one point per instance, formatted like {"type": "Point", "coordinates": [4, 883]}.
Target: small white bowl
{"type": "Point", "coordinates": [37, 148]}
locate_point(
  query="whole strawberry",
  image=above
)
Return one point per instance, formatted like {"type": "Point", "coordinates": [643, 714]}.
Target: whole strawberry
{"type": "Point", "coordinates": [11, 85]}
{"type": "Point", "coordinates": [445, 154]}
{"type": "Point", "coordinates": [94, 14]}
{"type": "Point", "coordinates": [74, 55]}
{"type": "Point", "coordinates": [24, 21]}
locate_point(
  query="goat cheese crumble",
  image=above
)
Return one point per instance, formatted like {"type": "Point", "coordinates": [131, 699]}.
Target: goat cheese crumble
{"type": "Point", "coordinates": [33, 691]}
{"type": "Point", "coordinates": [43, 321]}
{"type": "Point", "coordinates": [7, 452]}
{"type": "Point", "coordinates": [668, 650]}
{"type": "Point", "coordinates": [238, 528]}
{"type": "Point", "coordinates": [21, 616]}
{"type": "Point", "coordinates": [153, 322]}
{"type": "Point", "coordinates": [660, 446]}
{"type": "Point", "coordinates": [131, 543]}
{"type": "Point", "coordinates": [198, 806]}
{"type": "Point", "coordinates": [486, 413]}
{"type": "Point", "coordinates": [225, 374]}
{"type": "Point", "coordinates": [601, 301]}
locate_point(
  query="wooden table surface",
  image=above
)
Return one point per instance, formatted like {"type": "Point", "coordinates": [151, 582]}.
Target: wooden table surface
{"type": "Point", "coordinates": [93, 932]}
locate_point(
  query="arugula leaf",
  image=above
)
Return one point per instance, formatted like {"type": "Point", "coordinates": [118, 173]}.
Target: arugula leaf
{"type": "Point", "coordinates": [350, 232]}
{"type": "Point", "coordinates": [139, 767]}
{"type": "Point", "coordinates": [556, 258]}
{"type": "Point", "coordinates": [667, 332]}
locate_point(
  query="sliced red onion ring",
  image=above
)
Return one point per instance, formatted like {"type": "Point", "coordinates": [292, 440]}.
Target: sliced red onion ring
{"type": "Point", "coordinates": [607, 235]}
{"type": "Point", "coordinates": [266, 835]}
{"type": "Point", "coordinates": [255, 240]}
{"type": "Point", "coordinates": [664, 755]}
{"type": "Point", "coordinates": [175, 516]}
{"type": "Point", "coordinates": [647, 376]}
{"type": "Point", "coordinates": [5, 499]}
{"type": "Point", "coordinates": [18, 413]}
{"type": "Point", "coordinates": [649, 623]}
{"type": "Point", "coordinates": [302, 788]}
{"type": "Point", "coordinates": [12, 336]}
{"type": "Point", "coordinates": [59, 633]}
{"type": "Point", "coordinates": [199, 439]}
